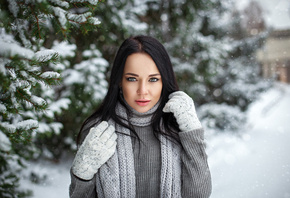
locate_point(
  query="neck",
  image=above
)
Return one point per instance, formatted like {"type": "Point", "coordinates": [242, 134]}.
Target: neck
{"type": "Point", "coordinates": [136, 118]}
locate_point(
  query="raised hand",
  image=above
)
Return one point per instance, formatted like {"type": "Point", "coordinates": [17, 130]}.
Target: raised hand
{"type": "Point", "coordinates": [182, 107]}
{"type": "Point", "coordinates": [97, 148]}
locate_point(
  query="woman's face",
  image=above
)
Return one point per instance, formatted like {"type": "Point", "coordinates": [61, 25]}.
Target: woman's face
{"type": "Point", "coordinates": [141, 82]}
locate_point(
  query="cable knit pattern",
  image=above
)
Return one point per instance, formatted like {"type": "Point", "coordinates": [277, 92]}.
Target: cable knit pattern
{"type": "Point", "coordinates": [121, 184]}
{"type": "Point", "coordinates": [171, 174]}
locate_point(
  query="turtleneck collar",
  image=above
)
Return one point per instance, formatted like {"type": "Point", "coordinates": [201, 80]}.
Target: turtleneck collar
{"type": "Point", "coordinates": [136, 118]}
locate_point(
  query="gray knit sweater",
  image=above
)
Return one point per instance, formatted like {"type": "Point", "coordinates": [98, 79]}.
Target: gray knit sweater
{"type": "Point", "coordinates": [196, 179]}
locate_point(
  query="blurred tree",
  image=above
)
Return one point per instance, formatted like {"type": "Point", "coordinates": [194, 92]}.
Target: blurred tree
{"type": "Point", "coordinates": [236, 29]}
{"type": "Point", "coordinates": [240, 80]}
{"type": "Point", "coordinates": [218, 72]}
{"type": "Point", "coordinates": [28, 103]}
{"type": "Point", "coordinates": [84, 81]}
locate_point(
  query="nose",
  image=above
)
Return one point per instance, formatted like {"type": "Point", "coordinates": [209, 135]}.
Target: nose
{"type": "Point", "coordinates": [142, 88]}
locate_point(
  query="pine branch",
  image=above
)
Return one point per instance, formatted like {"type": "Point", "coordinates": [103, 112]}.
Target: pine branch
{"type": "Point", "coordinates": [38, 26]}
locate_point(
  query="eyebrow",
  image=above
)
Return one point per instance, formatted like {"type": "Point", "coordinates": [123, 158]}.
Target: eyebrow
{"type": "Point", "coordinates": [132, 74]}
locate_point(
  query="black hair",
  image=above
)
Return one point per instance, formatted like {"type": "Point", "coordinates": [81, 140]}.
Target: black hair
{"type": "Point", "coordinates": [106, 111]}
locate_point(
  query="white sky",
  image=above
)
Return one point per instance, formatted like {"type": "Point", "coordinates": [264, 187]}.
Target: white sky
{"type": "Point", "coordinates": [276, 12]}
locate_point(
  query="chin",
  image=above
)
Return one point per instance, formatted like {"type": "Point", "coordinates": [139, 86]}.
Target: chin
{"type": "Point", "coordinates": [142, 110]}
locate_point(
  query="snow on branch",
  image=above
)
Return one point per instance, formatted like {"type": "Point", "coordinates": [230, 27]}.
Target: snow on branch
{"type": "Point", "coordinates": [94, 21]}
{"type": "Point", "coordinates": [8, 127]}
{"type": "Point", "coordinates": [61, 14]}
{"type": "Point", "coordinates": [93, 2]}
{"type": "Point", "coordinates": [37, 101]}
{"type": "Point", "coordinates": [56, 107]}
{"type": "Point", "coordinates": [27, 125]}
{"type": "Point", "coordinates": [83, 18]}
{"type": "Point", "coordinates": [52, 127]}
{"type": "Point", "coordinates": [64, 48]}
{"type": "Point", "coordinates": [60, 3]}
{"type": "Point", "coordinates": [79, 18]}
{"type": "Point", "coordinates": [45, 55]}
{"type": "Point", "coordinates": [5, 144]}
{"type": "Point", "coordinates": [50, 74]}
{"type": "Point", "coordinates": [13, 49]}
{"type": "Point", "coordinates": [20, 131]}
{"type": "Point", "coordinates": [3, 109]}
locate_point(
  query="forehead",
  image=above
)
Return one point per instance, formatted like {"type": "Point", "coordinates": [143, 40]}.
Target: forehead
{"type": "Point", "coordinates": [140, 63]}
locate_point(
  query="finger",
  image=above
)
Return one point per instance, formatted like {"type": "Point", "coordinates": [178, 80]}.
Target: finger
{"type": "Point", "coordinates": [176, 94]}
{"type": "Point", "coordinates": [103, 126]}
{"type": "Point", "coordinates": [184, 100]}
{"type": "Point", "coordinates": [111, 141]}
{"type": "Point", "coordinates": [113, 145]}
{"type": "Point", "coordinates": [168, 107]}
{"type": "Point", "coordinates": [95, 132]}
{"type": "Point", "coordinates": [174, 101]}
{"type": "Point", "coordinates": [110, 130]}
{"type": "Point", "coordinates": [172, 105]}
{"type": "Point", "coordinates": [106, 135]}
{"type": "Point", "coordinates": [92, 133]}
{"type": "Point", "coordinates": [114, 137]}
{"type": "Point", "coordinates": [181, 96]}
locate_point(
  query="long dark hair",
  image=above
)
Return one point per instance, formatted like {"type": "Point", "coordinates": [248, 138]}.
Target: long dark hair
{"type": "Point", "coordinates": [106, 111]}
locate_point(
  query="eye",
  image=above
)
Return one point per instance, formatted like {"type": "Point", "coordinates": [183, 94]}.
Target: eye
{"type": "Point", "coordinates": [131, 79]}
{"type": "Point", "coordinates": [153, 79]}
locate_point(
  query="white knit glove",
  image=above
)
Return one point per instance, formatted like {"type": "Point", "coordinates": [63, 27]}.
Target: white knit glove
{"type": "Point", "coordinates": [182, 107]}
{"type": "Point", "coordinates": [97, 148]}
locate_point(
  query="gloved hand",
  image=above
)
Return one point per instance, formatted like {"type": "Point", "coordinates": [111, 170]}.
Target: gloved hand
{"type": "Point", "coordinates": [97, 148]}
{"type": "Point", "coordinates": [182, 107]}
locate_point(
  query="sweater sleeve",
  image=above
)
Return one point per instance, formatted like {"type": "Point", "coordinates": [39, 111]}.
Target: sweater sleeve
{"type": "Point", "coordinates": [82, 188]}
{"type": "Point", "coordinates": [196, 178]}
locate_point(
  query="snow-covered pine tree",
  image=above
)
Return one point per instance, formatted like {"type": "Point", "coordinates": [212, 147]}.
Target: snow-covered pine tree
{"type": "Point", "coordinates": [28, 104]}
{"type": "Point", "coordinates": [84, 83]}
{"type": "Point", "coordinates": [124, 16]}
{"type": "Point", "coordinates": [85, 80]}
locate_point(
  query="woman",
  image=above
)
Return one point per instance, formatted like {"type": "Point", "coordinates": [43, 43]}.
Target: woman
{"type": "Point", "coordinates": [145, 140]}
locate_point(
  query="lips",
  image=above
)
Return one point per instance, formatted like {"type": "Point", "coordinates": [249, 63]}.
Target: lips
{"type": "Point", "coordinates": [142, 102]}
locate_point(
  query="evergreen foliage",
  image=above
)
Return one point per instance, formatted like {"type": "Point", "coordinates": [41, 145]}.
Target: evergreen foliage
{"type": "Point", "coordinates": [29, 101]}
{"type": "Point", "coordinates": [42, 111]}
{"type": "Point", "coordinates": [214, 66]}
{"type": "Point", "coordinates": [85, 78]}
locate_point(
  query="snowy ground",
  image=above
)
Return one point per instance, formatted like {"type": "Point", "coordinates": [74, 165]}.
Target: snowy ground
{"type": "Point", "coordinates": [57, 180]}
{"type": "Point", "coordinates": [255, 164]}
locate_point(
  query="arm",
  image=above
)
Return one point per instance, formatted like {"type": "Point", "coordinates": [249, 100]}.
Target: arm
{"type": "Point", "coordinates": [99, 145]}
{"type": "Point", "coordinates": [82, 188]}
{"type": "Point", "coordinates": [196, 178]}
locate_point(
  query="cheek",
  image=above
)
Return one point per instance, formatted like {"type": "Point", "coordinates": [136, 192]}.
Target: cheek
{"type": "Point", "coordinates": [127, 91]}
{"type": "Point", "coordinates": [158, 91]}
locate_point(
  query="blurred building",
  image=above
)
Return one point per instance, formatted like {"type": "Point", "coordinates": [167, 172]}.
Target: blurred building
{"type": "Point", "coordinates": [275, 56]}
